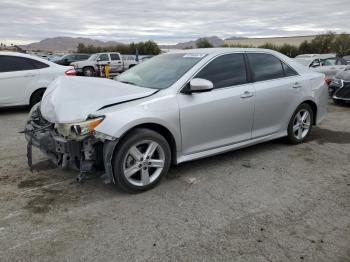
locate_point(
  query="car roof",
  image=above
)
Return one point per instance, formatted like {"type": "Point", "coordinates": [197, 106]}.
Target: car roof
{"type": "Point", "coordinates": [7, 53]}
{"type": "Point", "coordinates": [221, 50]}
{"type": "Point", "coordinates": [315, 56]}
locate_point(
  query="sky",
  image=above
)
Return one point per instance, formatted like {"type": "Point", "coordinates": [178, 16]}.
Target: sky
{"type": "Point", "coordinates": [168, 22]}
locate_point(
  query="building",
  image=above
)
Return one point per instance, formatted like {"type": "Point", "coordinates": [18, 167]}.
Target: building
{"type": "Point", "coordinates": [255, 42]}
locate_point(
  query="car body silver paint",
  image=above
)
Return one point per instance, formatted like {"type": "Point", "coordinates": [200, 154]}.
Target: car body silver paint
{"type": "Point", "coordinates": [198, 122]}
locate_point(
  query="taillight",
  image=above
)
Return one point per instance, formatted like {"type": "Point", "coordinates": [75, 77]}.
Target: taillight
{"type": "Point", "coordinates": [328, 81]}
{"type": "Point", "coordinates": [70, 72]}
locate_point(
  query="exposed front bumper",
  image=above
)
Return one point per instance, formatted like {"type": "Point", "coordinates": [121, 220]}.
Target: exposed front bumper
{"type": "Point", "coordinates": [80, 155]}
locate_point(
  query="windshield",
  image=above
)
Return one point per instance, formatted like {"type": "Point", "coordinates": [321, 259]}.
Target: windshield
{"type": "Point", "coordinates": [161, 71]}
{"type": "Point", "coordinates": [93, 57]}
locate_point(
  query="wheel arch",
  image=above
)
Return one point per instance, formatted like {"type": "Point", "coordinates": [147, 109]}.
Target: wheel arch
{"type": "Point", "coordinates": [162, 130]}
{"type": "Point", "coordinates": [313, 106]}
{"type": "Point", "coordinates": [35, 91]}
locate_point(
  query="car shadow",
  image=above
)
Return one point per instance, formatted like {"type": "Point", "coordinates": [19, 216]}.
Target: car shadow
{"type": "Point", "coordinates": [322, 136]}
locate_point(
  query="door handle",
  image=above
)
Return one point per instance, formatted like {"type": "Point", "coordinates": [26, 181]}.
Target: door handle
{"type": "Point", "coordinates": [247, 94]}
{"type": "Point", "coordinates": [297, 85]}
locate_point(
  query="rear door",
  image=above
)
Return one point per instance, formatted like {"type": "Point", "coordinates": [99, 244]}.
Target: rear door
{"type": "Point", "coordinates": [278, 89]}
{"type": "Point", "coordinates": [116, 63]}
{"type": "Point", "coordinates": [222, 116]}
{"type": "Point", "coordinates": [17, 75]}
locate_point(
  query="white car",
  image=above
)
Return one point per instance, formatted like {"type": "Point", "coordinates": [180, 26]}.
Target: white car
{"type": "Point", "coordinates": [24, 78]}
{"type": "Point", "coordinates": [328, 64]}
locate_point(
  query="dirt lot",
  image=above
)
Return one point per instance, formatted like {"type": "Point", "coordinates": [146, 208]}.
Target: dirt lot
{"type": "Point", "coordinates": [271, 202]}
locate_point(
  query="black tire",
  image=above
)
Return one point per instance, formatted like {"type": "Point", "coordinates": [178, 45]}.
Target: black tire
{"type": "Point", "coordinates": [36, 97]}
{"type": "Point", "coordinates": [291, 135]}
{"type": "Point", "coordinates": [135, 136]}
{"type": "Point", "coordinates": [88, 71]}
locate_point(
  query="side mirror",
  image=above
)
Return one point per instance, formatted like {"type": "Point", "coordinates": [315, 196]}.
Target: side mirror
{"type": "Point", "coordinates": [98, 59]}
{"type": "Point", "coordinates": [315, 65]}
{"type": "Point", "coordinates": [200, 85]}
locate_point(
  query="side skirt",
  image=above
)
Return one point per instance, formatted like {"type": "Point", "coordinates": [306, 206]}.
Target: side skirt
{"type": "Point", "coordinates": [227, 148]}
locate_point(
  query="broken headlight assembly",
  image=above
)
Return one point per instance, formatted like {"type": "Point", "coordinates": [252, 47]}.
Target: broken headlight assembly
{"type": "Point", "coordinates": [80, 129]}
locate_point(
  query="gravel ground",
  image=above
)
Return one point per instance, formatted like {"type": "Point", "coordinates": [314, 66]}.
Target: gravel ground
{"type": "Point", "coordinates": [270, 202]}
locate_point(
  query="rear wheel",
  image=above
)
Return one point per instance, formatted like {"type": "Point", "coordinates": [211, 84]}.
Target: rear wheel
{"type": "Point", "coordinates": [300, 125]}
{"type": "Point", "coordinates": [36, 97]}
{"type": "Point", "coordinates": [142, 159]}
{"type": "Point", "coordinates": [88, 71]}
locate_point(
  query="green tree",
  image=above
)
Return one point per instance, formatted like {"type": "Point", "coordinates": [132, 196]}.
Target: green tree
{"type": "Point", "coordinates": [289, 50]}
{"type": "Point", "coordinates": [322, 44]}
{"type": "Point", "coordinates": [306, 48]}
{"type": "Point", "coordinates": [341, 45]}
{"type": "Point", "coordinates": [81, 48]}
{"type": "Point", "coordinates": [144, 48]}
{"type": "Point", "coordinates": [269, 46]}
{"type": "Point", "coordinates": [203, 43]}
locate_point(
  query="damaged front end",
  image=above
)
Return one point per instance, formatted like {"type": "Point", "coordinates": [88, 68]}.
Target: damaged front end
{"type": "Point", "coordinates": [73, 145]}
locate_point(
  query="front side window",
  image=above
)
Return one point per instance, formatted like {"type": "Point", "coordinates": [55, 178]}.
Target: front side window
{"type": "Point", "coordinates": [115, 57]}
{"type": "Point", "coordinates": [161, 71]}
{"type": "Point", "coordinates": [224, 71]}
{"type": "Point", "coordinates": [15, 63]}
{"type": "Point", "coordinates": [315, 63]}
{"type": "Point", "coordinates": [103, 57]}
{"type": "Point", "coordinates": [265, 66]}
{"type": "Point", "coordinates": [328, 62]}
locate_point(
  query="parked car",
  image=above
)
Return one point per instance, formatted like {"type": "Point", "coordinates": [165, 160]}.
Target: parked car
{"type": "Point", "coordinates": [116, 62]}
{"type": "Point", "coordinates": [24, 78]}
{"type": "Point", "coordinates": [68, 59]}
{"type": "Point", "coordinates": [340, 87]}
{"type": "Point", "coordinates": [173, 108]}
{"type": "Point", "coordinates": [347, 59]}
{"type": "Point", "coordinates": [328, 64]}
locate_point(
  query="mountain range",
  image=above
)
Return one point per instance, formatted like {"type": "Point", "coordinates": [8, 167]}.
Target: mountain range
{"type": "Point", "coordinates": [71, 43]}
{"type": "Point", "coordinates": [65, 44]}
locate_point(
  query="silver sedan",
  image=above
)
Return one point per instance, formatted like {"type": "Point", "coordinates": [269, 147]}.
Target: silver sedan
{"type": "Point", "coordinates": [174, 108]}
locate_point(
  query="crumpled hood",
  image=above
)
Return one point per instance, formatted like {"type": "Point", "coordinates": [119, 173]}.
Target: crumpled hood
{"type": "Point", "coordinates": [71, 99]}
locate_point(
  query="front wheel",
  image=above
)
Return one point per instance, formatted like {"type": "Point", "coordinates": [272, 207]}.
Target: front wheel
{"type": "Point", "coordinates": [142, 159]}
{"type": "Point", "coordinates": [300, 124]}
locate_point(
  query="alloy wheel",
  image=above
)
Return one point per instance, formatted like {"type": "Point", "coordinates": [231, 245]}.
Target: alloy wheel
{"type": "Point", "coordinates": [143, 163]}
{"type": "Point", "coordinates": [302, 124]}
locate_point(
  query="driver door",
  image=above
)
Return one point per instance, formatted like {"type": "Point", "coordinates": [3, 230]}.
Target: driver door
{"type": "Point", "coordinates": [222, 116]}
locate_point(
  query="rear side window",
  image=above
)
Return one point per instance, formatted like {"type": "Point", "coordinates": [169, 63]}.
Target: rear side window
{"type": "Point", "coordinates": [225, 71]}
{"type": "Point", "coordinates": [115, 57]}
{"type": "Point", "coordinates": [288, 71]}
{"type": "Point", "coordinates": [38, 64]}
{"type": "Point", "coordinates": [82, 56]}
{"type": "Point", "coordinates": [265, 67]}
{"type": "Point", "coordinates": [15, 63]}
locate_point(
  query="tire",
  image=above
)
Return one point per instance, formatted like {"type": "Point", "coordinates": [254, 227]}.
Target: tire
{"type": "Point", "coordinates": [88, 71]}
{"type": "Point", "coordinates": [36, 97]}
{"type": "Point", "coordinates": [135, 170]}
{"type": "Point", "coordinates": [300, 125]}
